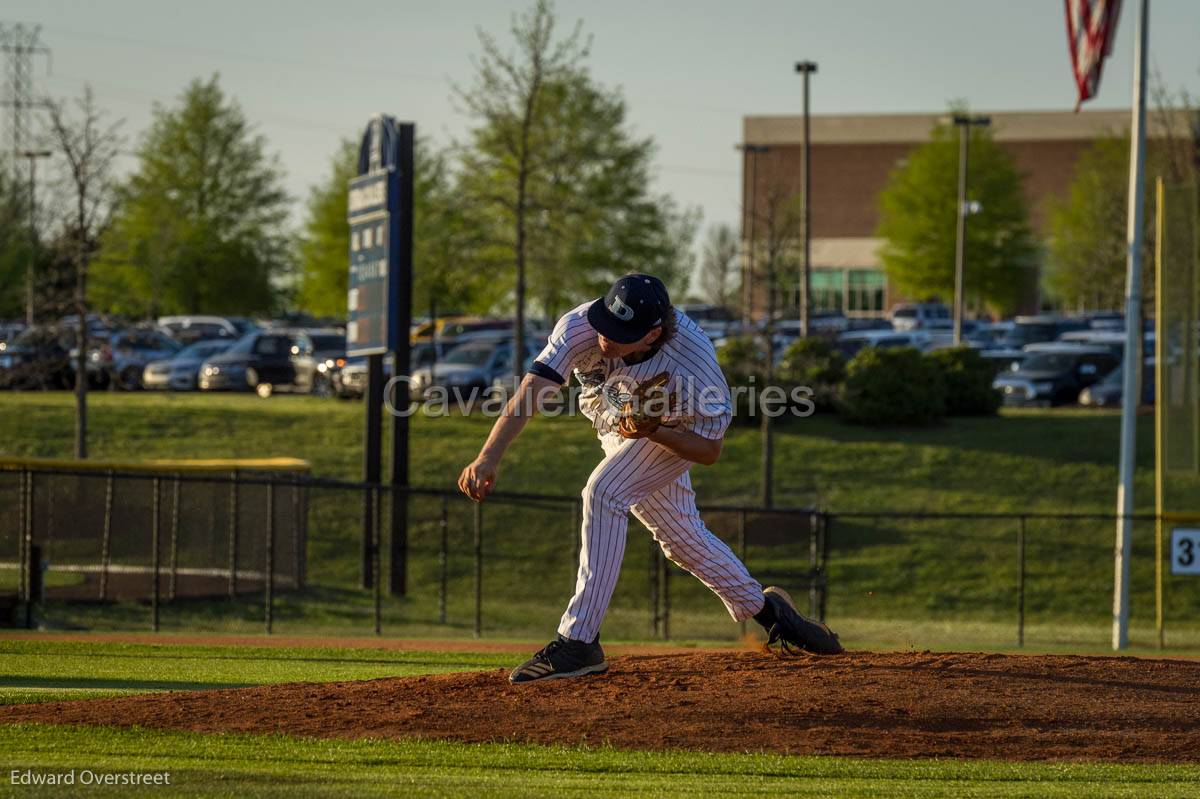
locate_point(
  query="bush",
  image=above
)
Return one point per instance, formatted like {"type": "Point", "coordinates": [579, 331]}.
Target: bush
{"type": "Point", "coordinates": [967, 377]}
{"type": "Point", "coordinates": [741, 358]}
{"type": "Point", "coordinates": [815, 363]}
{"type": "Point", "coordinates": [892, 387]}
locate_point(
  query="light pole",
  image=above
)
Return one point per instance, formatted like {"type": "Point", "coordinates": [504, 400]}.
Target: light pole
{"type": "Point", "coordinates": [805, 68]}
{"type": "Point", "coordinates": [964, 123]}
{"type": "Point", "coordinates": [754, 150]}
{"type": "Point", "coordinates": [33, 156]}
{"type": "Point", "coordinates": [768, 446]}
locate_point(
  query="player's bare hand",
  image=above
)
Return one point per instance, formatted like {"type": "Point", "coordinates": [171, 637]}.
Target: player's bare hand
{"type": "Point", "coordinates": [478, 479]}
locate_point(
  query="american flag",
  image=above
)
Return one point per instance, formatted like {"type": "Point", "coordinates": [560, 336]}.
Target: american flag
{"type": "Point", "coordinates": [1091, 28]}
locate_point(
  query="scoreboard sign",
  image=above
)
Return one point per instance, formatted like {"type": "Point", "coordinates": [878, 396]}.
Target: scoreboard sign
{"type": "Point", "coordinates": [373, 213]}
{"type": "Point", "coordinates": [1185, 550]}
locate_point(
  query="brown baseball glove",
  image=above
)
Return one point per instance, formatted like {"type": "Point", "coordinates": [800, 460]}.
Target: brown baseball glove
{"type": "Point", "coordinates": [645, 410]}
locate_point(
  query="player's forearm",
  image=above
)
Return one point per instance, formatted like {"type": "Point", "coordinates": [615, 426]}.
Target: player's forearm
{"type": "Point", "coordinates": [504, 432]}
{"type": "Point", "coordinates": [688, 445]}
{"type": "Point", "coordinates": [517, 413]}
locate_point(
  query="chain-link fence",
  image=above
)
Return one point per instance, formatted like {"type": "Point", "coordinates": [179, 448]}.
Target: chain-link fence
{"type": "Point", "coordinates": [286, 553]}
{"type": "Point", "coordinates": [996, 580]}
{"type": "Point", "coordinates": [289, 554]}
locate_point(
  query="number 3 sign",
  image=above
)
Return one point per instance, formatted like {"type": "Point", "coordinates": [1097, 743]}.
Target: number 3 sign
{"type": "Point", "coordinates": [1185, 550]}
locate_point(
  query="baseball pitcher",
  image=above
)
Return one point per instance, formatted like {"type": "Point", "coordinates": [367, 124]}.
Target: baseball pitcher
{"type": "Point", "coordinates": [659, 403]}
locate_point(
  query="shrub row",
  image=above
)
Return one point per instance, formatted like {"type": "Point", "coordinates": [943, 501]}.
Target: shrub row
{"type": "Point", "coordinates": [877, 387]}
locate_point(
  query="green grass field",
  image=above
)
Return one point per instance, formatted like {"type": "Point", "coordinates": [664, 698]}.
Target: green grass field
{"type": "Point", "coordinates": [243, 765]}
{"type": "Point", "coordinates": [893, 583]}
{"type": "Point", "coordinates": [1059, 461]}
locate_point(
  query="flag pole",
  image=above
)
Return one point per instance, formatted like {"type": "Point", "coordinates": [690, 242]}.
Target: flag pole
{"type": "Point", "coordinates": [1133, 331]}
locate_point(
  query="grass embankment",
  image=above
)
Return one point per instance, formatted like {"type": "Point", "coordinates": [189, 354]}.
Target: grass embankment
{"type": "Point", "coordinates": [893, 582]}
{"type": "Point", "coordinates": [1060, 461]}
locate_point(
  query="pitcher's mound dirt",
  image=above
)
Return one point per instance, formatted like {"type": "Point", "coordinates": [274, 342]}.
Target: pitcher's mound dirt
{"type": "Point", "coordinates": [858, 704]}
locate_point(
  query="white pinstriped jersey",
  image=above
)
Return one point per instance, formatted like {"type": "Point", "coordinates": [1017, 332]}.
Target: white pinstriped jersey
{"type": "Point", "coordinates": [702, 401]}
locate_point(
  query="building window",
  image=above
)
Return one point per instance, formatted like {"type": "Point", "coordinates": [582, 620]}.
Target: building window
{"type": "Point", "coordinates": [864, 292]}
{"type": "Point", "coordinates": [853, 292]}
{"type": "Point", "coordinates": [828, 289]}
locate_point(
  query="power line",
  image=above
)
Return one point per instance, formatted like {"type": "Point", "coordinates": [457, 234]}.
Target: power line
{"type": "Point", "coordinates": [348, 69]}
{"type": "Point", "coordinates": [142, 99]}
{"type": "Point", "coordinates": [376, 72]}
{"type": "Point", "coordinates": [20, 44]}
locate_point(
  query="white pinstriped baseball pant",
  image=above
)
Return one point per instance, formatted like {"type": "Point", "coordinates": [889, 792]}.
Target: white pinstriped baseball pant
{"type": "Point", "coordinates": [653, 482]}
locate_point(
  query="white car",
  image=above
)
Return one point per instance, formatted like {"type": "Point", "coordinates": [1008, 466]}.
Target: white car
{"type": "Point", "coordinates": [921, 316]}
{"type": "Point", "coordinates": [850, 343]}
{"type": "Point", "coordinates": [1112, 339]}
{"type": "Point", "coordinates": [188, 329]}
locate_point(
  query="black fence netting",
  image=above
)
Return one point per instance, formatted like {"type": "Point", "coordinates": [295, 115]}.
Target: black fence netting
{"type": "Point", "coordinates": [290, 554]}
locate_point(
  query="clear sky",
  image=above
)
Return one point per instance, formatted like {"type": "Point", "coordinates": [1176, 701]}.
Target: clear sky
{"type": "Point", "coordinates": [307, 73]}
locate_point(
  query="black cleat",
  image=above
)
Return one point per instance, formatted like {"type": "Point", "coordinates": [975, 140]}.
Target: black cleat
{"type": "Point", "coordinates": [795, 632]}
{"type": "Point", "coordinates": [562, 657]}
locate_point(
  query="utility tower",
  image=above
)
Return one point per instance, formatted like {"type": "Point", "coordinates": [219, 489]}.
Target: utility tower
{"type": "Point", "coordinates": [20, 43]}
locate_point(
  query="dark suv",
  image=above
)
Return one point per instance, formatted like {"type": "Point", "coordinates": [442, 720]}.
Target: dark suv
{"type": "Point", "coordinates": [36, 360]}
{"type": "Point", "coordinates": [119, 360]}
{"type": "Point", "coordinates": [1028, 330]}
{"type": "Point", "coordinates": [1055, 375]}
{"type": "Point", "coordinates": [265, 361]}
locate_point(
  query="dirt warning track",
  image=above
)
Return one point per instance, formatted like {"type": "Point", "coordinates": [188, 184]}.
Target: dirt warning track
{"type": "Point", "coordinates": [859, 704]}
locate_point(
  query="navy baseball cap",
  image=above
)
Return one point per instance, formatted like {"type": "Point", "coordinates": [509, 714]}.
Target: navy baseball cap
{"type": "Point", "coordinates": [635, 305]}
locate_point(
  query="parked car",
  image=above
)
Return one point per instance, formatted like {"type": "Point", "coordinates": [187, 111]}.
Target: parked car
{"type": "Point", "coordinates": [1114, 340]}
{"type": "Point", "coordinates": [450, 327]}
{"type": "Point", "coordinates": [850, 343]}
{"type": "Point", "coordinates": [1105, 320]}
{"type": "Point", "coordinates": [714, 320]}
{"type": "Point", "coordinates": [921, 316]}
{"type": "Point", "coordinates": [473, 365]}
{"type": "Point", "coordinates": [189, 329]}
{"type": "Point", "coordinates": [181, 372]}
{"type": "Point", "coordinates": [329, 351]}
{"type": "Point", "coordinates": [244, 324]}
{"type": "Point", "coordinates": [868, 323]}
{"type": "Point", "coordinates": [1055, 375]}
{"type": "Point", "coordinates": [1027, 330]}
{"type": "Point", "coordinates": [37, 359]}
{"type": "Point", "coordinates": [97, 325]}
{"type": "Point", "coordinates": [505, 385]}
{"type": "Point", "coordinates": [1005, 360]}
{"type": "Point", "coordinates": [821, 323]}
{"type": "Point", "coordinates": [1106, 393]}
{"type": "Point", "coordinates": [9, 333]}
{"type": "Point", "coordinates": [350, 380]}
{"type": "Point", "coordinates": [265, 361]}
{"type": "Point", "coordinates": [119, 360]}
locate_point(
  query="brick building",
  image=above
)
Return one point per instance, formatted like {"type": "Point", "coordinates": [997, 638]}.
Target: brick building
{"type": "Point", "coordinates": [851, 158]}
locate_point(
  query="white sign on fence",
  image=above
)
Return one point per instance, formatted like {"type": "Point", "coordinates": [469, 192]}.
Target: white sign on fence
{"type": "Point", "coordinates": [1185, 550]}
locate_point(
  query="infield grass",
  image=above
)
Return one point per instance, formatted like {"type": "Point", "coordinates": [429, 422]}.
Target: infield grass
{"type": "Point", "coordinates": [43, 671]}
{"type": "Point", "coordinates": [243, 765]}
{"type": "Point", "coordinates": [205, 765]}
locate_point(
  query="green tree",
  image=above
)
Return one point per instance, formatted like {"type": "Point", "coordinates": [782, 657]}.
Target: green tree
{"type": "Point", "coordinates": [555, 180]}
{"type": "Point", "coordinates": [325, 245]}
{"type": "Point", "coordinates": [918, 212]}
{"type": "Point", "coordinates": [1086, 258]}
{"type": "Point", "coordinates": [1086, 253]}
{"type": "Point", "coordinates": [15, 244]}
{"type": "Point", "coordinates": [443, 239]}
{"type": "Point", "coordinates": [202, 220]}
{"type": "Point", "coordinates": [720, 283]}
